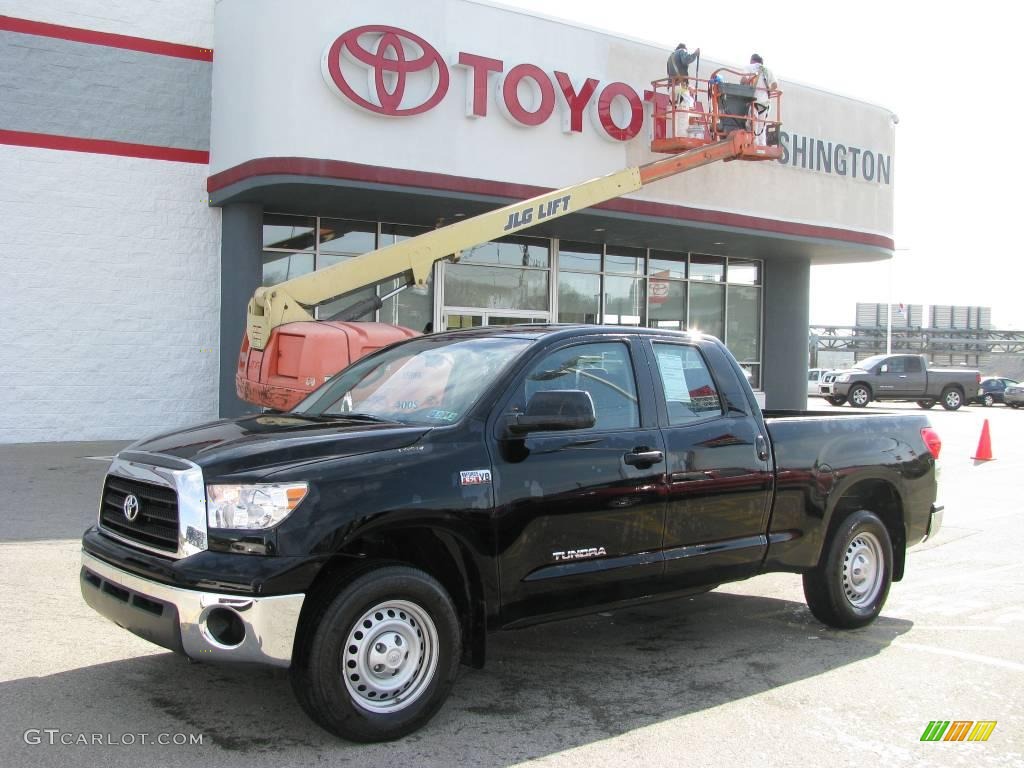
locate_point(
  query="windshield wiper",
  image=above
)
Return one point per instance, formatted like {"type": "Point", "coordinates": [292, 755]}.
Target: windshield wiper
{"type": "Point", "coordinates": [357, 417]}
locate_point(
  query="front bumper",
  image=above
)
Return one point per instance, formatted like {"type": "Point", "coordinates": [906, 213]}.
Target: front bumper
{"type": "Point", "coordinates": [186, 620]}
{"type": "Point", "coordinates": [934, 521]}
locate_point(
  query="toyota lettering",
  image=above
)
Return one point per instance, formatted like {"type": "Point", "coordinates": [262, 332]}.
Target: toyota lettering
{"type": "Point", "coordinates": [404, 75]}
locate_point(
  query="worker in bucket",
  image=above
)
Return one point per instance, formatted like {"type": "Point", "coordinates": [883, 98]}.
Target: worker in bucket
{"type": "Point", "coordinates": [683, 97]}
{"type": "Point", "coordinates": [765, 84]}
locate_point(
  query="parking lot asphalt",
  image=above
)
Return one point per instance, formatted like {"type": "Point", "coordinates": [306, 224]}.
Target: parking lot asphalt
{"type": "Point", "coordinates": [743, 675]}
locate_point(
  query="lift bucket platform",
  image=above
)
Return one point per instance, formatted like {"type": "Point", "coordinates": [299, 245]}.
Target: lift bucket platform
{"type": "Point", "coordinates": [694, 113]}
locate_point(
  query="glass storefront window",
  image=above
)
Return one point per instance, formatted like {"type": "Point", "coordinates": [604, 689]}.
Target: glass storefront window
{"type": "Point", "coordinates": [471, 285]}
{"type": "Point", "coordinates": [707, 309]}
{"type": "Point", "coordinates": [623, 301]}
{"type": "Point", "coordinates": [581, 257]}
{"type": "Point", "coordinates": [709, 269]}
{"type": "Point", "coordinates": [278, 267]}
{"type": "Point", "coordinates": [394, 233]}
{"type": "Point", "coordinates": [629, 261]}
{"type": "Point", "coordinates": [579, 297]}
{"type": "Point", "coordinates": [744, 313]}
{"type": "Point", "coordinates": [509, 252]}
{"type": "Point", "coordinates": [744, 272]}
{"type": "Point", "coordinates": [328, 310]}
{"type": "Point", "coordinates": [291, 233]}
{"type": "Point", "coordinates": [666, 303]}
{"type": "Point", "coordinates": [411, 308]}
{"type": "Point", "coordinates": [667, 264]}
{"type": "Point", "coordinates": [347, 236]}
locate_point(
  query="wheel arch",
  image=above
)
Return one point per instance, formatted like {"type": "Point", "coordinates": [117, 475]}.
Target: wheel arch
{"type": "Point", "coordinates": [881, 496]}
{"type": "Point", "coordinates": [437, 552]}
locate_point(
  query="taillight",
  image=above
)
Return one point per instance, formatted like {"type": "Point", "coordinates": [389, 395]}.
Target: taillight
{"type": "Point", "coordinates": [978, 377]}
{"type": "Point", "coordinates": [932, 440]}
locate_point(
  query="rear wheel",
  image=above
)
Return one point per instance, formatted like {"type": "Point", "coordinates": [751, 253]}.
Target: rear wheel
{"type": "Point", "coordinates": [380, 657]}
{"type": "Point", "coordinates": [837, 400]}
{"type": "Point", "coordinates": [859, 395]}
{"type": "Point", "coordinates": [926, 404]}
{"type": "Point", "coordinates": [988, 401]}
{"type": "Point", "coordinates": [850, 585]}
{"type": "Point", "coordinates": [952, 398]}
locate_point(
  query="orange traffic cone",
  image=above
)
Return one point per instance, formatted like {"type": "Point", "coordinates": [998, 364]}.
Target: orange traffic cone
{"type": "Point", "coordinates": [984, 452]}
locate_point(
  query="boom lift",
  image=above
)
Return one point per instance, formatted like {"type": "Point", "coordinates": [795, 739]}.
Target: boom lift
{"type": "Point", "coordinates": [287, 353]}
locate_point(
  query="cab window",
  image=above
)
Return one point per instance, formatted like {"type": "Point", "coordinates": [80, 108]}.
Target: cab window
{"type": "Point", "coordinates": [602, 369]}
{"type": "Point", "coordinates": [690, 392]}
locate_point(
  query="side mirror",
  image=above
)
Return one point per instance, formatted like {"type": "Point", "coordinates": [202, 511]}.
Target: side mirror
{"type": "Point", "coordinates": [557, 409]}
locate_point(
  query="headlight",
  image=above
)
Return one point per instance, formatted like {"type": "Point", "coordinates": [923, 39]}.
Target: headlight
{"type": "Point", "coordinates": [257, 506]}
{"type": "Point", "coordinates": [842, 378]}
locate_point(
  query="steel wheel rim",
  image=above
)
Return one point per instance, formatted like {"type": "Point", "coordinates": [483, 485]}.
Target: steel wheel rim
{"type": "Point", "coordinates": [863, 567]}
{"type": "Point", "coordinates": [860, 397]}
{"type": "Point", "coordinates": [390, 656]}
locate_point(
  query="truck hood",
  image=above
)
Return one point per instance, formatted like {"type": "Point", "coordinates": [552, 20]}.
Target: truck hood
{"type": "Point", "coordinates": [255, 443]}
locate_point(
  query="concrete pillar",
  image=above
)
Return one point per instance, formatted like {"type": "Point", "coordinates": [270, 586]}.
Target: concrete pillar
{"type": "Point", "coordinates": [787, 284]}
{"type": "Point", "coordinates": [241, 272]}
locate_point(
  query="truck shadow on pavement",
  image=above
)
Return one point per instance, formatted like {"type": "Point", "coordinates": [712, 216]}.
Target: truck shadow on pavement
{"type": "Point", "coordinates": [545, 689]}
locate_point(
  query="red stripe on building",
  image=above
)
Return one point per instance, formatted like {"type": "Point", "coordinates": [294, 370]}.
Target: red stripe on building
{"type": "Point", "coordinates": [339, 169]}
{"type": "Point", "coordinates": [103, 147]}
{"type": "Point", "coordinates": [108, 39]}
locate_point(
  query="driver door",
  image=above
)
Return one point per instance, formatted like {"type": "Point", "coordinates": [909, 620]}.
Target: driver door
{"type": "Point", "coordinates": [580, 514]}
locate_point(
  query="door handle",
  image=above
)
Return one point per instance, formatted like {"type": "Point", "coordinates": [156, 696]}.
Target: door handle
{"type": "Point", "coordinates": [902, 376]}
{"type": "Point", "coordinates": [761, 446]}
{"type": "Point", "coordinates": [643, 458]}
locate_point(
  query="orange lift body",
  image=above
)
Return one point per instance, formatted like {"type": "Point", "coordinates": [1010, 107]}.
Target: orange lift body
{"type": "Point", "coordinates": [701, 122]}
{"type": "Point", "coordinates": [299, 357]}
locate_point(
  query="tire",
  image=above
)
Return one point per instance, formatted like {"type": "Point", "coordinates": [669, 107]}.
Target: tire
{"type": "Point", "coordinates": [926, 404]}
{"type": "Point", "coordinates": [850, 585]}
{"type": "Point", "coordinates": [376, 661]}
{"type": "Point", "coordinates": [952, 398]}
{"type": "Point", "coordinates": [988, 401]}
{"type": "Point", "coordinates": [836, 400]}
{"type": "Point", "coordinates": [859, 396]}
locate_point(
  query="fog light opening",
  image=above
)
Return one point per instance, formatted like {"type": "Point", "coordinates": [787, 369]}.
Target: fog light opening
{"type": "Point", "coordinates": [225, 627]}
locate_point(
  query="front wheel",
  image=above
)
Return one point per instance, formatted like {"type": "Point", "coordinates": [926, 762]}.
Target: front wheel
{"type": "Point", "coordinates": [859, 395]}
{"type": "Point", "coordinates": [850, 585]}
{"type": "Point", "coordinates": [381, 657]}
{"type": "Point", "coordinates": [926, 404]}
{"type": "Point", "coordinates": [952, 398]}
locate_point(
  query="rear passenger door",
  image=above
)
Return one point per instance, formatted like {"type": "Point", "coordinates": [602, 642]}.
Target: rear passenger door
{"type": "Point", "coordinates": [719, 471]}
{"type": "Point", "coordinates": [580, 513]}
{"type": "Point", "coordinates": [912, 379]}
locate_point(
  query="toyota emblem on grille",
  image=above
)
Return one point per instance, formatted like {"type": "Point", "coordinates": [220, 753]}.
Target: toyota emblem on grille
{"type": "Point", "coordinates": [131, 507]}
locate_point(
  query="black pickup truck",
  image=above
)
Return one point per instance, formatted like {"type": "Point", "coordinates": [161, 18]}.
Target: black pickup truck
{"type": "Point", "coordinates": [466, 482]}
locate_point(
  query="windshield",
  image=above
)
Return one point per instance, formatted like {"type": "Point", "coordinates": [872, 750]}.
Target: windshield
{"type": "Point", "coordinates": [869, 363]}
{"type": "Point", "coordinates": [427, 382]}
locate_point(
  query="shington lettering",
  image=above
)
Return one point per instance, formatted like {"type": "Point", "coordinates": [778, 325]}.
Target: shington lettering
{"type": "Point", "coordinates": [834, 158]}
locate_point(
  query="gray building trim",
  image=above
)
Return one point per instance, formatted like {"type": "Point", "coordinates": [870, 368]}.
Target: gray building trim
{"type": "Point", "coordinates": [65, 88]}
{"type": "Point", "coordinates": [241, 273]}
{"type": "Point", "coordinates": [786, 302]}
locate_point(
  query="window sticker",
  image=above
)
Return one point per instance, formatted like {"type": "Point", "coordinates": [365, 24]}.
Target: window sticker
{"type": "Point", "coordinates": [440, 415]}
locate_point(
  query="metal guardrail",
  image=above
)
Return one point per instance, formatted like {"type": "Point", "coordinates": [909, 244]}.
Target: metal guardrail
{"type": "Point", "coordinates": [865, 341]}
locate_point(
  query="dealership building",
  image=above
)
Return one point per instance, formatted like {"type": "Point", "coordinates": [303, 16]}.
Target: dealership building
{"type": "Point", "coordinates": [162, 160]}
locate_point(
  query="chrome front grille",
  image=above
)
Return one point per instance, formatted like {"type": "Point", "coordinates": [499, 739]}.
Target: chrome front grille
{"type": "Point", "coordinates": [156, 513]}
{"type": "Point", "coordinates": [169, 509]}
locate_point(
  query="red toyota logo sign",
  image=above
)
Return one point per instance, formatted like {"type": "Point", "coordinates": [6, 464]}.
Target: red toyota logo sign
{"type": "Point", "coordinates": [391, 58]}
{"type": "Point", "coordinates": [395, 73]}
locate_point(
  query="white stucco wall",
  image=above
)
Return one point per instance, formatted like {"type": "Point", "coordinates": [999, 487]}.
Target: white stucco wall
{"type": "Point", "coordinates": [110, 321]}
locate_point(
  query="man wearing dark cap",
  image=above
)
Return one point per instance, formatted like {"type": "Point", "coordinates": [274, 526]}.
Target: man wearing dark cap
{"type": "Point", "coordinates": [679, 64]}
